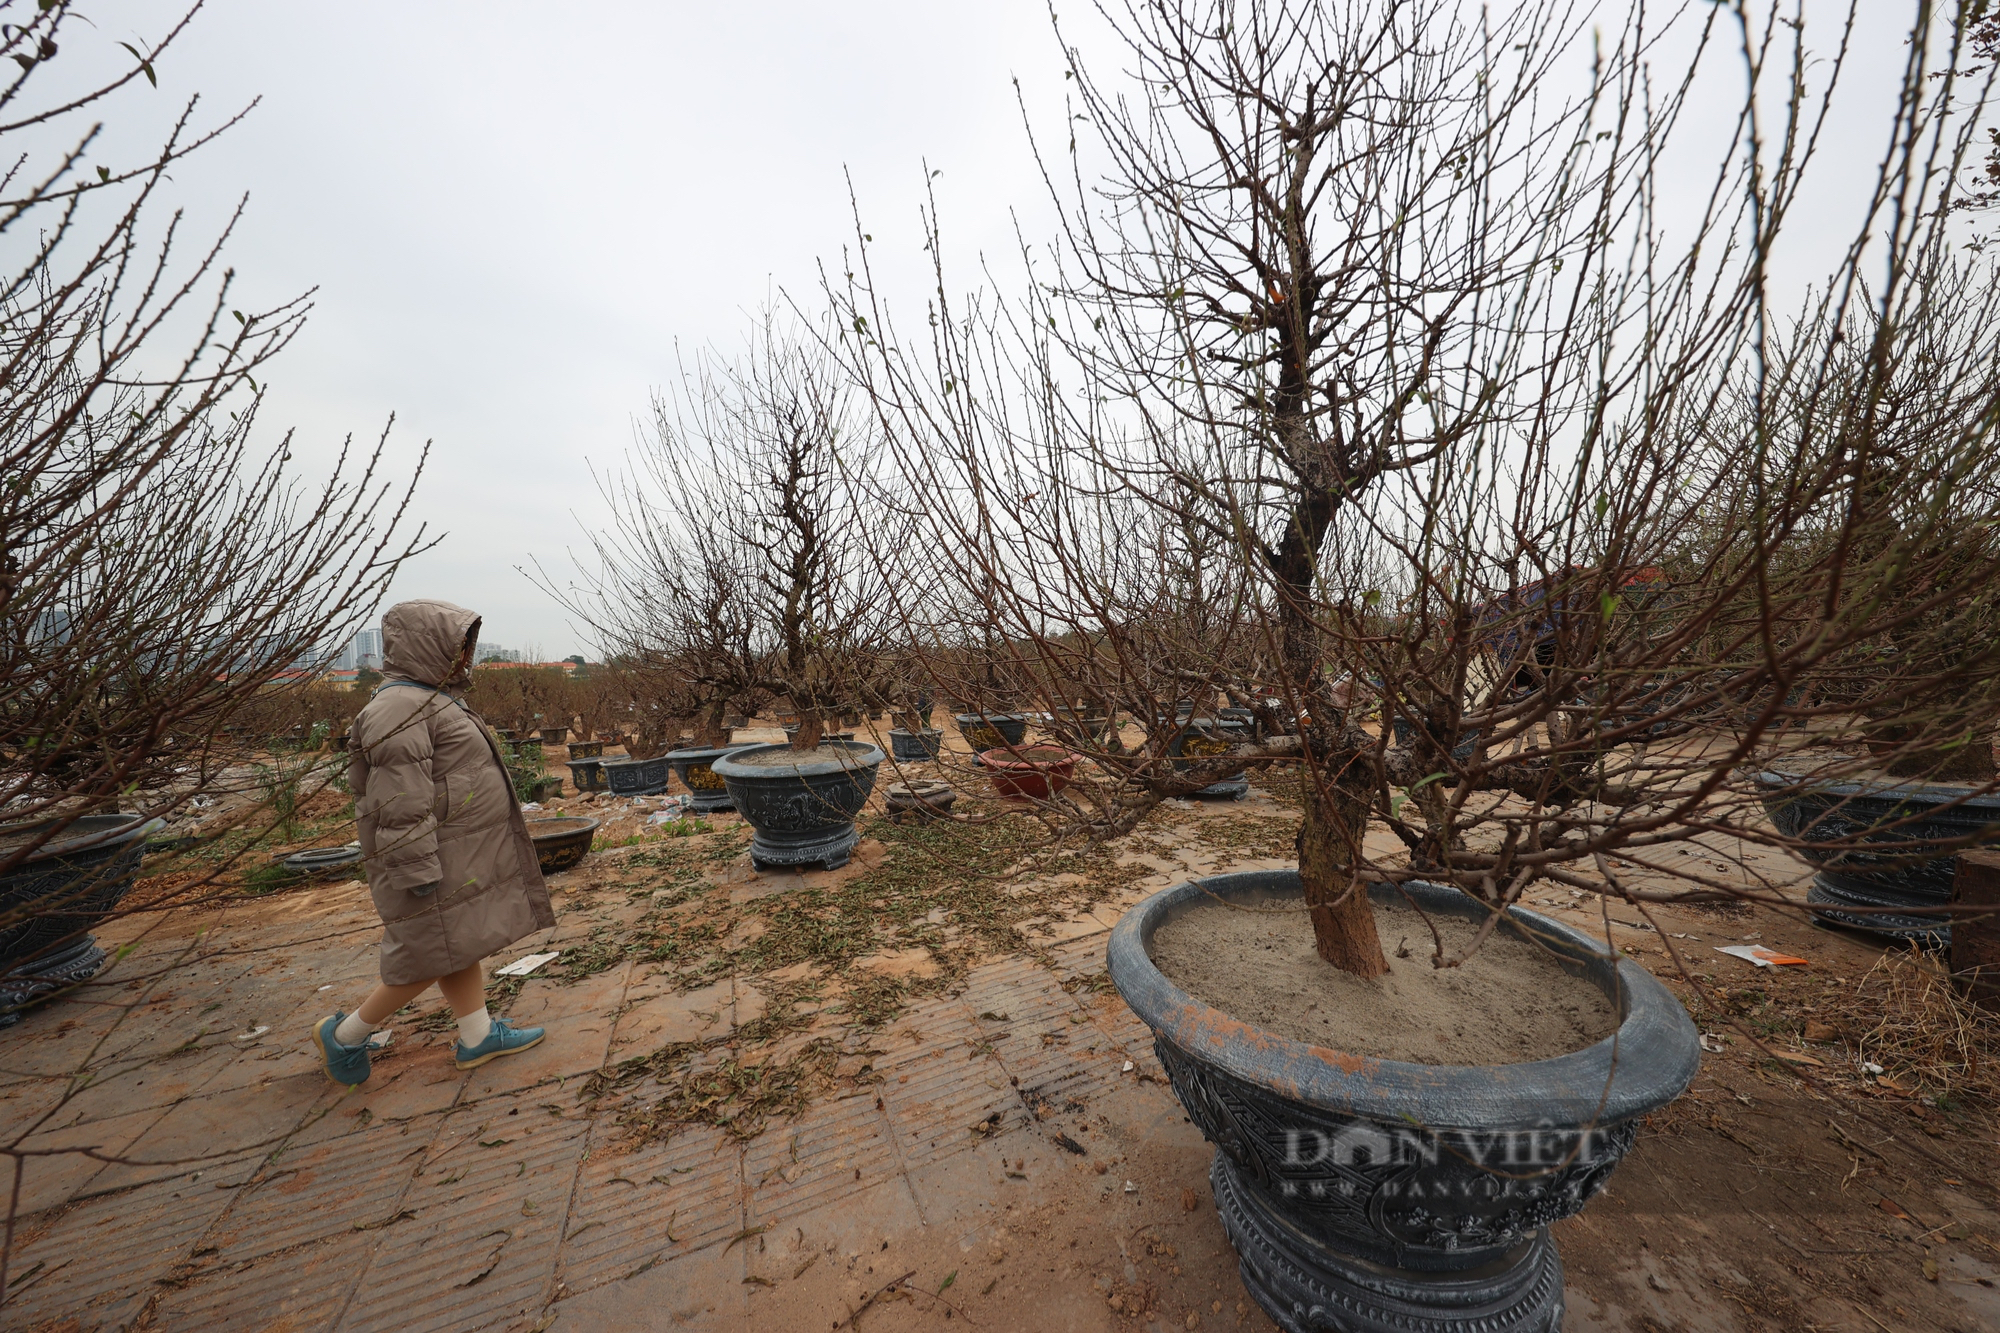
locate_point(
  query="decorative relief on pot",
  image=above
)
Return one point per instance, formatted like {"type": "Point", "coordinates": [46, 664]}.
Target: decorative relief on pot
{"type": "Point", "coordinates": [700, 777]}
{"type": "Point", "coordinates": [1397, 1186]}
{"type": "Point", "coordinates": [984, 738]}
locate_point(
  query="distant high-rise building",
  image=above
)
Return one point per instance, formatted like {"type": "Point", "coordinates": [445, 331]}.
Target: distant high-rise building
{"type": "Point", "coordinates": [362, 653]}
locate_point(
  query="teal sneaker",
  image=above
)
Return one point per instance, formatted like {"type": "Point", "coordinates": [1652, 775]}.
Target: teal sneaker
{"type": "Point", "coordinates": [502, 1040]}
{"type": "Point", "coordinates": [346, 1065]}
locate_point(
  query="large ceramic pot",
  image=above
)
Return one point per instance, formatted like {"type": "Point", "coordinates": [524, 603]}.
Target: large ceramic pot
{"type": "Point", "coordinates": [1888, 813]}
{"type": "Point", "coordinates": [1205, 737]}
{"type": "Point", "coordinates": [50, 901]}
{"type": "Point", "coordinates": [1081, 726]}
{"type": "Point", "coordinates": [553, 735]}
{"type": "Point", "coordinates": [692, 767]}
{"type": "Point", "coordinates": [915, 747]}
{"type": "Point", "coordinates": [1035, 773]}
{"type": "Point", "coordinates": [1370, 1196]}
{"type": "Point", "coordinates": [561, 843]}
{"type": "Point", "coordinates": [991, 731]}
{"type": "Point", "coordinates": [637, 777]}
{"type": "Point", "coordinates": [586, 749]}
{"type": "Point", "coordinates": [586, 774]}
{"type": "Point", "coordinates": [803, 811]}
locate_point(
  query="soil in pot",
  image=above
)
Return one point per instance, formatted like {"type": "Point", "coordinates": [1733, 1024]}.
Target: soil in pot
{"type": "Point", "coordinates": [1508, 1004]}
{"type": "Point", "coordinates": [788, 758]}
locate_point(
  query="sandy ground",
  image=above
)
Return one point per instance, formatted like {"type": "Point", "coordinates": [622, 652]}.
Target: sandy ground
{"type": "Point", "coordinates": [209, 1177]}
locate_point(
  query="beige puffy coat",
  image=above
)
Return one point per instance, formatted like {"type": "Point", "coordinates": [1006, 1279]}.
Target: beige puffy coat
{"type": "Point", "coordinates": [435, 807]}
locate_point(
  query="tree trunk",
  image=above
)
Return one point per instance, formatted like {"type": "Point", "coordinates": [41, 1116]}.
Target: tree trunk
{"type": "Point", "coordinates": [1329, 842]}
{"type": "Point", "coordinates": [709, 731]}
{"type": "Point", "coordinates": [811, 725]}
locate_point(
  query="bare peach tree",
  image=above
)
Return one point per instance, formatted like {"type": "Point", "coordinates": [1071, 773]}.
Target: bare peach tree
{"type": "Point", "coordinates": [1374, 384]}
{"type": "Point", "coordinates": [163, 565]}
{"type": "Point", "coordinates": [737, 565]}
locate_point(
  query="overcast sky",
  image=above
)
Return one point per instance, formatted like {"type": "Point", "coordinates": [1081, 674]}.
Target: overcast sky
{"type": "Point", "coordinates": [513, 212]}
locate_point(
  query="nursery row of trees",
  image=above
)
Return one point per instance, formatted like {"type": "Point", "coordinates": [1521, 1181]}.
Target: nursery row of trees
{"type": "Point", "coordinates": [1369, 379]}
{"type": "Point", "coordinates": [1378, 380]}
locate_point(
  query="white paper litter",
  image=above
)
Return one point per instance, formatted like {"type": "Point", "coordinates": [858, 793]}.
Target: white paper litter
{"type": "Point", "coordinates": [1130, 1188]}
{"type": "Point", "coordinates": [532, 805]}
{"type": "Point", "coordinates": [1870, 1067]}
{"type": "Point", "coordinates": [379, 1041]}
{"type": "Point", "coordinates": [253, 1033]}
{"type": "Point", "coordinates": [1127, 1069]}
{"type": "Point", "coordinates": [1757, 955]}
{"type": "Point", "coordinates": [520, 967]}
{"type": "Point", "coordinates": [327, 986]}
{"type": "Point", "coordinates": [1711, 1042]}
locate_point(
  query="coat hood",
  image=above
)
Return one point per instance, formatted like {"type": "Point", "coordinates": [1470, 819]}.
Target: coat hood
{"type": "Point", "coordinates": [421, 641]}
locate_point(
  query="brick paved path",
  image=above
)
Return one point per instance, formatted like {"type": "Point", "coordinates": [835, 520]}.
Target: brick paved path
{"type": "Point", "coordinates": [434, 1199]}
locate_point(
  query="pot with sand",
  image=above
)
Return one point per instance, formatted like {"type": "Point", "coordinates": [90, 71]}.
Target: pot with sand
{"type": "Point", "coordinates": [802, 803]}
{"type": "Point", "coordinates": [1391, 1157]}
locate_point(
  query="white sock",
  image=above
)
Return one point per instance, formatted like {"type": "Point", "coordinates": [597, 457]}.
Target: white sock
{"type": "Point", "coordinates": [473, 1027]}
{"type": "Point", "coordinates": [352, 1030]}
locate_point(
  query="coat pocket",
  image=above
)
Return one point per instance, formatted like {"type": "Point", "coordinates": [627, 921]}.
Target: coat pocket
{"type": "Point", "coordinates": [454, 805]}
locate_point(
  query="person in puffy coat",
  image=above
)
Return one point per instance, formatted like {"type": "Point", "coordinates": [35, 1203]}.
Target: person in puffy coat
{"type": "Point", "coordinates": [450, 865]}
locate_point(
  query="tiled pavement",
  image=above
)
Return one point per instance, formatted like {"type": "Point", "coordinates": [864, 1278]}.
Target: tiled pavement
{"type": "Point", "coordinates": [249, 1193]}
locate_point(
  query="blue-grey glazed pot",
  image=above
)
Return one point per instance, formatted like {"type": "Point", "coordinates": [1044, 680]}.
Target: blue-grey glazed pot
{"type": "Point", "coordinates": [915, 747]}
{"type": "Point", "coordinates": [1377, 1196]}
{"type": "Point", "coordinates": [586, 774]}
{"type": "Point", "coordinates": [991, 731]}
{"type": "Point", "coordinates": [695, 768]}
{"type": "Point", "coordinates": [637, 777]}
{"type": "Point", "coordinates": [1914, 888]}
{"type": "Point", "coordinates": [53, 898]}
{"type": "Point", "coordinates": [803, 813]}
{"type": "Point", "coordinates": [1196, 737]}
